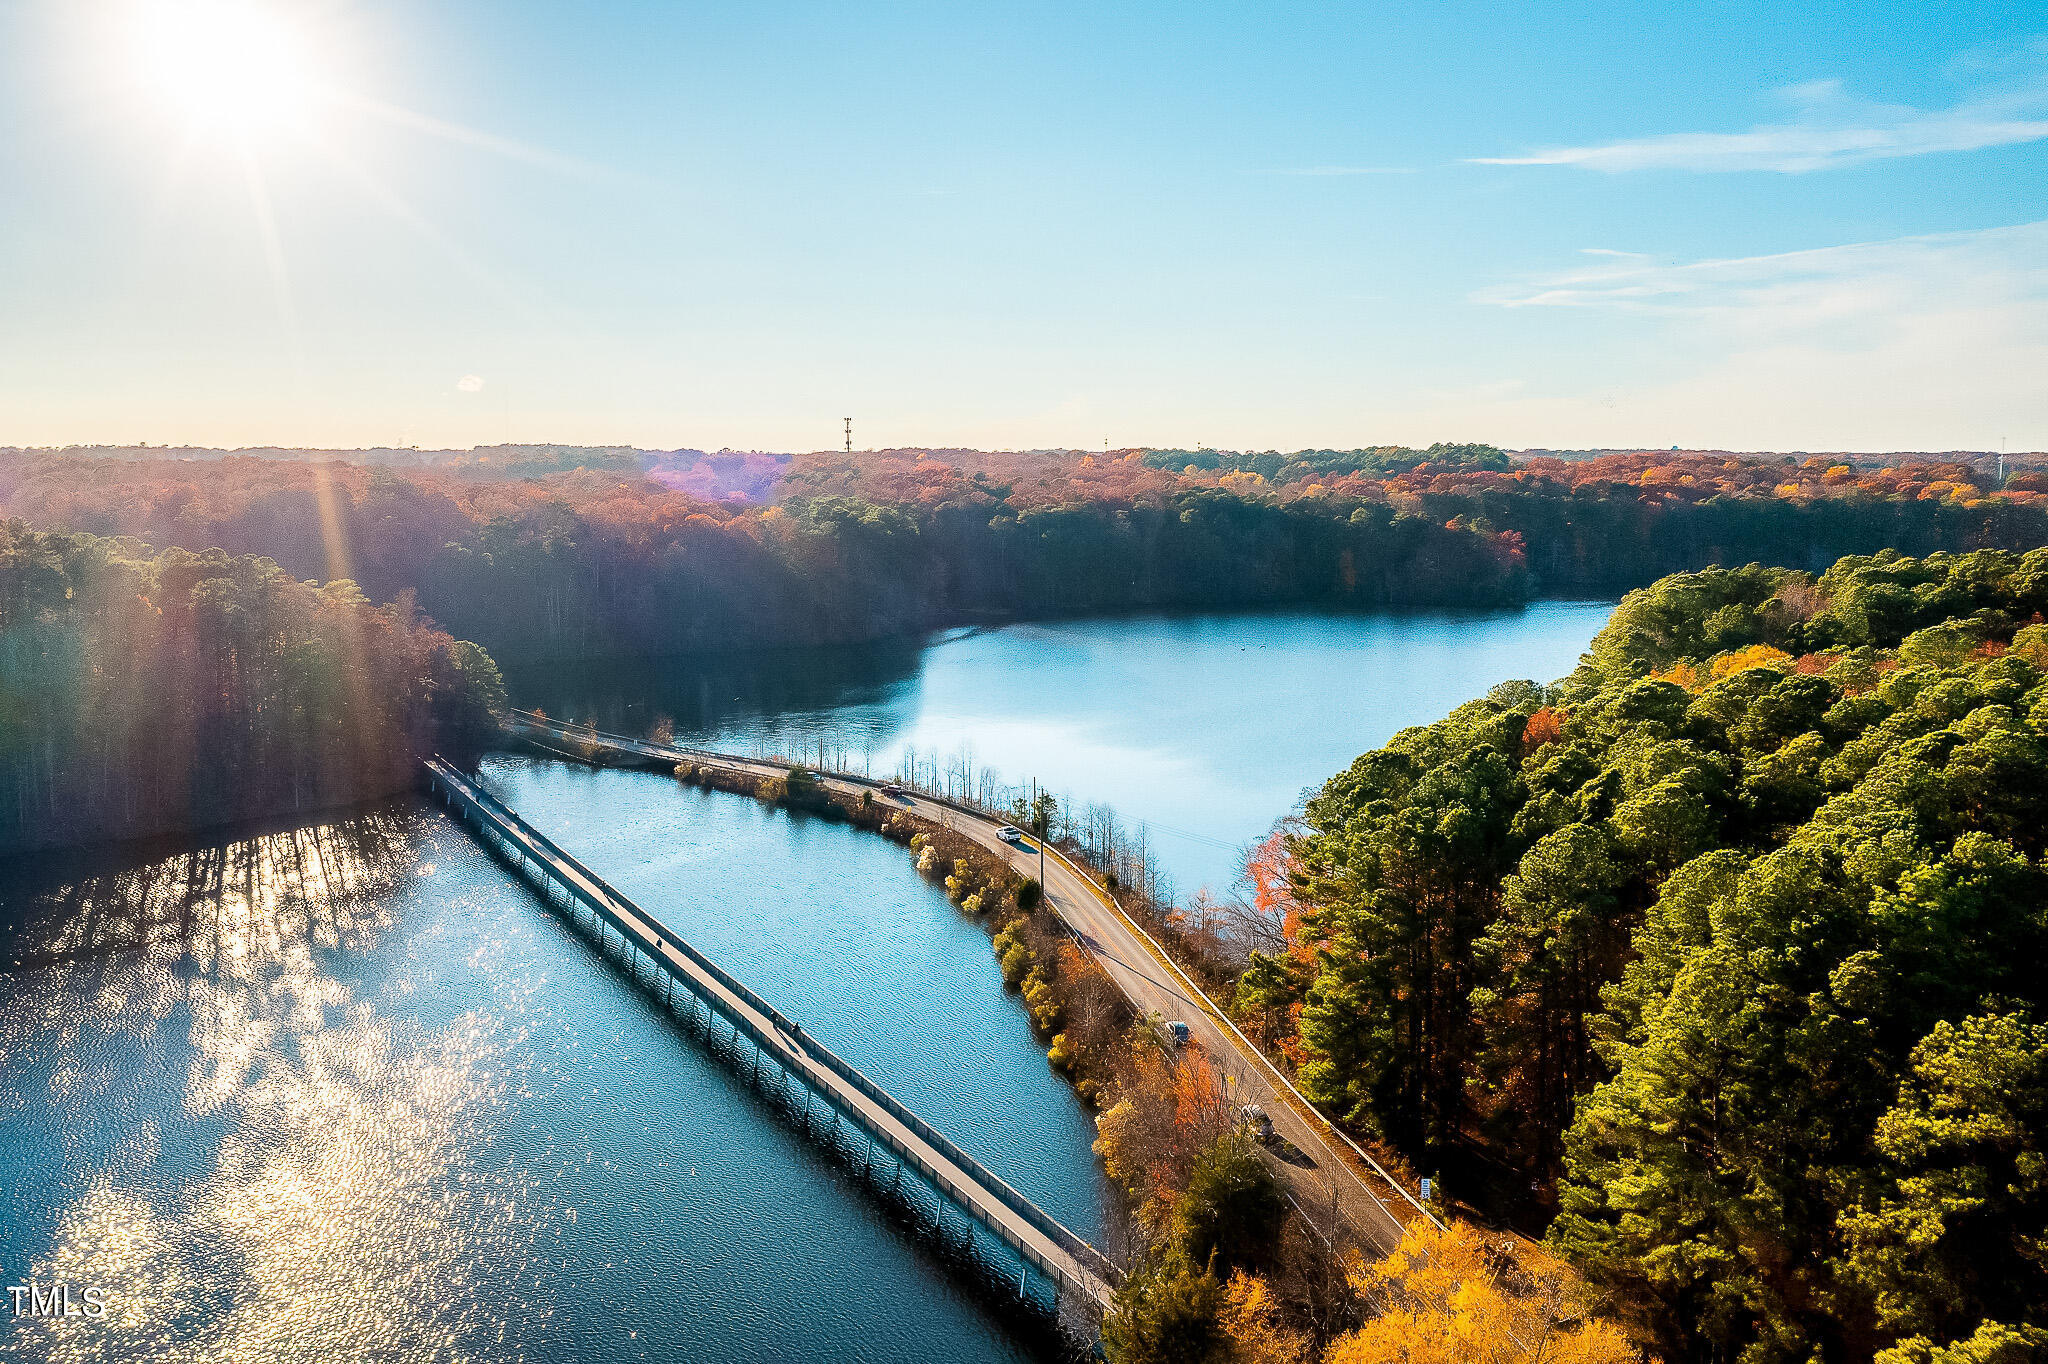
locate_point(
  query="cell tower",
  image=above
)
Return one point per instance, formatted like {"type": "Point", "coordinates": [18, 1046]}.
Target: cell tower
{"type": "Point", "coordinates": [849, 435]}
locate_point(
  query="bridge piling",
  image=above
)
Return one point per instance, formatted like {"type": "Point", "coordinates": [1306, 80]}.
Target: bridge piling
{"type": "Point", "coordinates": [853, 1100]}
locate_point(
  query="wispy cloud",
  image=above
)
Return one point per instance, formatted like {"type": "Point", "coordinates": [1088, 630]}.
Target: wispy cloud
{"type": "Point", "coordinates": [2003, 264]}
{"type": "Point", "coordinates": [1927, 342]}
{"type": "Point", "coordinates": [1830, 128]}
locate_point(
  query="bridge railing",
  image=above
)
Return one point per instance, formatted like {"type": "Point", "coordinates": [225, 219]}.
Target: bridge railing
{"type": "Point", "coordinates": [1251, 1049]}
{"type": "Point", "coordinates": [992, 1184]}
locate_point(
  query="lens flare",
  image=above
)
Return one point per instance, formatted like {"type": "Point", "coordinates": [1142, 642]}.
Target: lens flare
{"type": "Point", "coordinates": [233, 67]}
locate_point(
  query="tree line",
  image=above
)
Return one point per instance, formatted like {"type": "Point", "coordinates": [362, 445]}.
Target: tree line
{"type": "Point", "coordinates": [1728, 946]}
{"type": "Point", "coordinates": [146, 692]}
{"type": "Point", "coordinates": [587, 563]}
{"type": "Point", "coordinates": [596, 561]}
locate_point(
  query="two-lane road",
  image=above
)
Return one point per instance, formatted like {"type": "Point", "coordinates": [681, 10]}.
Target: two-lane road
{"type": "Point", "coordinates": [1320, 1169]}
{"type": "Point", "coordinates": [1311, 1162]}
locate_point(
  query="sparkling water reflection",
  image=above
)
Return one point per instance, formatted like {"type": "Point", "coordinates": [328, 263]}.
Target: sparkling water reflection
{"type": "Point", "coordinates": [348, 1092]}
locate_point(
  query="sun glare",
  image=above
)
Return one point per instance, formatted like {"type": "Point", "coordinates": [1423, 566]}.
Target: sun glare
{"type": "Point", "coordinates": [240, 68]}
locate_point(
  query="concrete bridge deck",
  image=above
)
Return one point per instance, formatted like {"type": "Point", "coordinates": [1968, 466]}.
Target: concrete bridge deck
{"type": "Point", "coordinates": [1073, 1265]}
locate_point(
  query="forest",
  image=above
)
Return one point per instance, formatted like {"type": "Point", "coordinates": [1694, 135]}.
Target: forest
{"type": "Point", "coordinates": [142, 692]}
{"type": "Point", "coordinates": [1721, 957]}
{"type": "Point", "coordinates": [692, 552]}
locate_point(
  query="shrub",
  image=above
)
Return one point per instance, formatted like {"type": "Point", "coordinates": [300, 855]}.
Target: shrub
{"type": "Point", "coordinates": [1167, 1314]}
{"type": "Point", "coordinates": [1043, 1001]}
{"type": "Point", "coordinates": [1231, 1211]}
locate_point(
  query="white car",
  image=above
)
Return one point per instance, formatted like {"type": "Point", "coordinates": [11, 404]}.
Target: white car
{"type": "Point", "coordinates": [1010, 833]}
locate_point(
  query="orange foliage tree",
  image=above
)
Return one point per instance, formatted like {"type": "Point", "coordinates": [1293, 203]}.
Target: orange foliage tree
{"type": "Point", "coordinates": [1546, 726]}
{"type": "Point", "coordinates": [1445, 1297]}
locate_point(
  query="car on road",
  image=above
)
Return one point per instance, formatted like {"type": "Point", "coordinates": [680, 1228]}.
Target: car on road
{"type": "Point", "coordinates": [892, 789]}
{"type": "Point", "coordinates": [1010, 833]}
{"type": "Point", "coordinates": [1255, 1123]}
{"type": "Point", "coordinates": [1178, 1032]}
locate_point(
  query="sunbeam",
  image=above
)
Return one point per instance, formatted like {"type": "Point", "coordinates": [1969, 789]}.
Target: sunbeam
{"type": "Point", "coordinates": [263, 83]}
{"type": "Point", "coordinates": [273, 250]}
{"type": "Point", "coordinates": [470, 137]}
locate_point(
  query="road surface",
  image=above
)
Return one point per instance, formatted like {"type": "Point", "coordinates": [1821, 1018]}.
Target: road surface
{"type": "Point", "coordinates": [1323, 1172]}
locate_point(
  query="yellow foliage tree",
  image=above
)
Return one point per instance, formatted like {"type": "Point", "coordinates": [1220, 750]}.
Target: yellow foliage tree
{"type": "Point", "coordinates": [1754, 656]}
{"type": "Point", "coordinates": [1251, 1319]}
{"type": "Point", "coordinates": [1444, 1298]}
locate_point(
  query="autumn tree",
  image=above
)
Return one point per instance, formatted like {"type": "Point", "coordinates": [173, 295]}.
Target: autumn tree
{"type": "Point", "coordinates": [1446, 1297]}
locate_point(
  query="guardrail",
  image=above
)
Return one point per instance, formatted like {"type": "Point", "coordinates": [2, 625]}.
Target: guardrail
{"type": "Point", "coordinates": [1166, 958]}
{"type": "Point", "coordinates": [793, 1036]}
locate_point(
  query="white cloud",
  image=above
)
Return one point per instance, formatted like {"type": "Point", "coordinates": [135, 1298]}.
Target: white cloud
{"type": "Point", "coordinates": [1830, 129]}
{"type": "Point", "coordinates": [1864, 279]}
{"type": "Point", "coordinates": [470, 383]}
{"type": "Point", "coordinates": [1930, 342]}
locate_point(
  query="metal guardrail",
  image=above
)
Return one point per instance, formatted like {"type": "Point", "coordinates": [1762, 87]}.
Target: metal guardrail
{"type": "Point", "coordinates": [642, 746]}
{"type": "Point", "coordinates": [793, 1036]}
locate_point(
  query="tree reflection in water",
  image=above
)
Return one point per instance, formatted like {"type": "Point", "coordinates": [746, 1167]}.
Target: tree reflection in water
{"type": "Point", "coordinates": [256, 1160]}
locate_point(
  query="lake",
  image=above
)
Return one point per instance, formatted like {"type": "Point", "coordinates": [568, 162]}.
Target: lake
{"type": "Point", "coordinates": [348, 1091]}
{"type": "Point", "coordinates": [1206, 728]}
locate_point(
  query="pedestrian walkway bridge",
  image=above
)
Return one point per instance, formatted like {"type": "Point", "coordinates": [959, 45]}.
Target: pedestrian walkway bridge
{"type": "Point", "coordinates": [694, 987]}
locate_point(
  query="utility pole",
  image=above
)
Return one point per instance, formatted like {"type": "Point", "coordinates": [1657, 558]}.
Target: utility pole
{"type": "Point", "coordinates": [1038, 825]}
{"type": "Point", "coordinates": [849, 435]}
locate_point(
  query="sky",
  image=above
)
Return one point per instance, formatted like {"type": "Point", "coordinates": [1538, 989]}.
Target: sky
{"type": "Point", "coordinates": [667, 224]}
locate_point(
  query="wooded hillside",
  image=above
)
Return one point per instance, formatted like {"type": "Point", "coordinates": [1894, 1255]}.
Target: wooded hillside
{"type": "Point", "coordinates": [142, 693]}
{"type": "Point", "coordinates": [733, 551]}
{"type": "Point", "coordinates": [1732, 942]}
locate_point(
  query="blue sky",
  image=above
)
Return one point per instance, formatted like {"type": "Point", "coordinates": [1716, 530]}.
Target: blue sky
{"type": "Point", "coordinates": [1763, 226]}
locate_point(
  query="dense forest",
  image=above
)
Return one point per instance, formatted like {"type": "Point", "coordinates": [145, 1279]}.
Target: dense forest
{"type": "Point", "coordinates": [142, 693]}
{"type": "Point", "coordinates": [691, 552]}
{"type": "Point", "coordinates": [1732, 943]}
{"type": "Point", "coordinates": [587, 562]}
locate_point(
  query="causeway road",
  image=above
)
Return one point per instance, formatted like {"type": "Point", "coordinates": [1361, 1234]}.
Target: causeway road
{"type": "Point", "coordinates": [1323, 1172]}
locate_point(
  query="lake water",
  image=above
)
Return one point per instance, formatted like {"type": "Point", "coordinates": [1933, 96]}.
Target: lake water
{"type": "Point", "coordinates": [349, 1092]}
{"type": "Point", "coordinates": [1204, 727]}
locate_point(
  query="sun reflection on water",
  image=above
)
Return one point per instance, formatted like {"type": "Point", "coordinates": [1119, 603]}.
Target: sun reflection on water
{"type": "Point", "coordinates": [331, 1194]}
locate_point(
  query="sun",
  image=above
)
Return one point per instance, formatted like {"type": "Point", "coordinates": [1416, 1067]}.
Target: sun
{"type": "Point", "coordinates": [237, 68]}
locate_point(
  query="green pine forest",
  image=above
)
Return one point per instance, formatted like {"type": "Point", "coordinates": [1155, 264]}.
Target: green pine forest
{"type": "Point", "coordinates": [1723, 958]}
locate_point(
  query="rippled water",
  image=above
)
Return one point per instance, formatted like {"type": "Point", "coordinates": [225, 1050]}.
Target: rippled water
{"type": "Point", "coordinates": [1205, 727]}
{"type": "Point", "coordinates": [349, 1092]}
